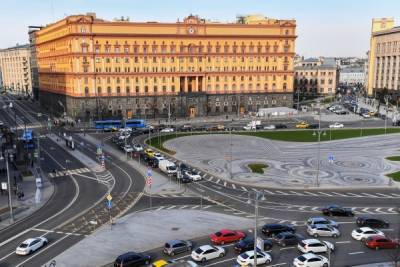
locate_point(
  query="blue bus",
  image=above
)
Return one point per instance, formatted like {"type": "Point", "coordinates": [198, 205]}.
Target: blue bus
{"type": "Point", "coordinates": [28, 139]}
{"type": "Point", "coordinates": [108, 125]}
{"type": "Point", "coordinates": [135, 123]}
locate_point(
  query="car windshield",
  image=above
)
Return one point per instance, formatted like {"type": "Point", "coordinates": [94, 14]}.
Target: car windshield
{"type": "Point", "coordinates": [302, 258]}
{"type": "Point", "coordinates": [23, 245]}
{"type": "Point", "coordinates": [199, 251]}
{"type": "Point", "coordinates": [218, 233]}
{"type": "Point", "coordinates": [244, 255]}
{"type": "Point", "coordinates": [171, 168]}
{"type": "Point", "coordinates": [358, 231]}
{"type": "Point", "coordinates": [167, 245]}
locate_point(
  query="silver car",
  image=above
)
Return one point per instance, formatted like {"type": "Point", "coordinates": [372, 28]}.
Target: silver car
{"type": "Point", "coordinates": [321, 220]}
{"type": "Point", "coordinates": [317, 230]}
{"type": "Point", "coordinates": [176, 246]}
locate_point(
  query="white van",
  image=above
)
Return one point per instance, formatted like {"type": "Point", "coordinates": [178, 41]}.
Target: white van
{"type": "Point", "coordinates": [167, 167]}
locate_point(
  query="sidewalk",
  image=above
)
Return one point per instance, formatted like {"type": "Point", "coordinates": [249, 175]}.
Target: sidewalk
{"type": "Point", "coordinates": [34, 198]}
{"type": "Point", "coordinates": [381, 264]}
{"type": "Point", "coordinates": [160, 183]}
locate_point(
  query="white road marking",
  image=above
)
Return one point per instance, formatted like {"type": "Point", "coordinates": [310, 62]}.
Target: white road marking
{"type": "Point", "coordinates": [326, 194]}
{"type": "Point", "coordinates": [244, 188]}
{"type": "Point", "coordinates": [296, 193]}
{"type": "Point", "coordinates": [219, 180]}
{"type": "Point", "coordinates": [383, 195]}
{"type": "Point", "coordinates": [269, 192]}
{"type": "Point", "coordinates": [195, 207]}
{"type": "Point", "coordinates": [207, 206]}
{"type": "Point", "coordinates": [352, 194]}
{"type": "Point", "coordinates": [233, 186]}
{"type": "Point", "coordinates": [225, 183]}
{"type": "Point", "coordinates": [368, 195]}
{"type": "Point", "coordinates": [182, 207]}
{"type": "Point", "coordinates": [279, 264]}
{"type": "Point", "coordinates": [339, 194]}
{"type": "Point", "coordinates": [396, 195]}
{"type": "Point", "coordinates": [343, 242]}
{"type": "Point", "coordinates": [280, 192]}
{"type": "Point", "coordinates": [172, 207]}
{"type": "Point", "coordinates": [286, 248]}
{"type": "Point", "coordinates": [358, 252]}
{"type": "Point", "coordinates": [309, 193]}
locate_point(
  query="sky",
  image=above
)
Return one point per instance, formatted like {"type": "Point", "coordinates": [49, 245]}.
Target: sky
{"type": "Point", "coordinates": [324, 27]}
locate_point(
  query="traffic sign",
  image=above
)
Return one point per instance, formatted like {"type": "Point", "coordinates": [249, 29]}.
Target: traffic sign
{"type": "Point", "coordinates": [109, 204]}
{"type": "Point", "coordinates": [331, 158]}
{"type": "Point", "coordinates": [109, 197]}
{"type": "Point", "coordinates": [149, 181]}
{"type": "Point", "coordinates": [260, 243]}
{"type": "Point", "coordinates": [4, 186]}
{"type": "Point", "coordinates": [149, 174]}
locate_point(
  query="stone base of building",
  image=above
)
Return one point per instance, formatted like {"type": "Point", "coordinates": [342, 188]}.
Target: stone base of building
{"type": "Point", "coordinates": [182, 105]}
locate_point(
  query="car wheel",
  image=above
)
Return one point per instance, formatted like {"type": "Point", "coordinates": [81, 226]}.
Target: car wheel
{"type": "Point", "coordinates": [283, 244]}
{"type": "Point", "coordinates": [221, 255]}
{"type": "Point", "coordinates": [376, 248]}
{"type": "Point", "coordinates": [335, 235]}
{"type": "Point", "coordinates": [315, 235]}
{"type": "Point", "coordinates": [30, 252]}
{"type": "Point", "coordinates": [172, 253]}
{"type": "Point", "coordinates": [268, 261]}
{"type": "Point", "coordinates": [363, 239]}
{"type": "Point", "coordinates": [203, 259]}
{"type": "Point", "coordinates": [222, 242]}
{"type": "Point", "coordinates": [147, 262]}
{"type": "Point", "coordinates": [44, 243]}
{"type": "Point", "coordinates": [325, 265]}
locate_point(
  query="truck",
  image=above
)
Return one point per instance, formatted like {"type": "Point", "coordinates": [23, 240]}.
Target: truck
{"type": "Point", "coordinates": [167, 167]}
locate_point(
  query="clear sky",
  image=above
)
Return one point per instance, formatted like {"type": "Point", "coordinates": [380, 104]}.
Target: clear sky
{"type": "Point", "coordinates": [324, 27]}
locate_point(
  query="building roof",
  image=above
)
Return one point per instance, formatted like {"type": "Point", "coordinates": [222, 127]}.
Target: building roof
{"type": "Point", "coordinates": [352, 70]}
{"type": "Point", "coordinates": [322, 67]}
{"type": "Point", "coordinates": [24, 46]}
{"type": "Point", "coordinates": [390, 31]}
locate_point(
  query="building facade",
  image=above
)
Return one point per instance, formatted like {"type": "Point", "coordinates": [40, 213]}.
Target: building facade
{"type": "Point", "coordinates": [352, 76]}
{"type": "Point", "coordinates": [316, 76]}
{"type": "Point", "coordinates": [15, 69]}
{"type": "Point", "coordinates": [33, 61]}
{"type": "Point", "coordinates": [384, 57]}
{"type": "Point", "coordinates": [96, 68]}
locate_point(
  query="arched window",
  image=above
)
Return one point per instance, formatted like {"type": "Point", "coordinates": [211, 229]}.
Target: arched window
{"type": "Point", "coordinates": [86, 90]}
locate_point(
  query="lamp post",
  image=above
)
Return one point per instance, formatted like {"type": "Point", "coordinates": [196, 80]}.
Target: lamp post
{"type": "Point", "coordinates": [62, 105]}
{"type": "Point", "coordinates": [319, 131]}
{"type": "Point", "coordinates": [387, 97]}
{"type": "Point", "coordinates": [6, 155]}
{"type": "Point", "coordinates": [258, 196]}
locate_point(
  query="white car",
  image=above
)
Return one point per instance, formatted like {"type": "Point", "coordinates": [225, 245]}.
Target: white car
{"type": "Point", "coordinates": [128, 149]}
{"type": "Point", "coordinates": [248, 128]}
{"type": "Point", "coordinates": [336, 125]}
{"type": "Point", "coordinates": [247, 258]}
{"type": "Point", "coordinates": [269, 127]}
{"type": "Point", "coordinates": [207, 252]}
{"type": "Point", "coordinates": [365, 115]}
{"type": "Point", "coordinates": [167, 130]}
{"type": "Point", "coordinates": [124, 136]}
{"type": "Point", "coordinates": [125, 130]}
{"type": "Point", "coordinates": [315, 246]}
{"type": "Point", "coordinates": [317, 230]}
{"type": "Point", "coordinates": [30, 245]}
{"type": "Point", "coordinates": [158, 156]}
{"type": "Point", "coordinates": [311, 260]}
{"type": "Point", "coordinates": [137, 147]}
{"type": "Point", "coordinates": [193, 175]}
{"type": "Point", "coordinates": [364, 232]}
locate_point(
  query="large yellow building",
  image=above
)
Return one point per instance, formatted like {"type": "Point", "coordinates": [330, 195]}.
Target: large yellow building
{"type": "Point", "coordinates": [97, 68]}
{"type": "Point", "coordinates": [384, 57]}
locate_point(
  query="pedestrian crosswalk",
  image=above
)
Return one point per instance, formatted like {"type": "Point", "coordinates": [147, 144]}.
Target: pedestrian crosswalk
{"type": "Point", "coordinates": [183, 207]}
{"type": "Point", "coordinates": [68, 172]}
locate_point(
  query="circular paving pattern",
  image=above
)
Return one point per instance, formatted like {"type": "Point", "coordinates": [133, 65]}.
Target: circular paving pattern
{"type": "Point", "coordinates": [357, 162]}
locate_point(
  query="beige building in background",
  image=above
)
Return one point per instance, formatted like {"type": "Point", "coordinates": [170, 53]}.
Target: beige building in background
{"type": "Point", "coordinates": [384, 57]}
{"type": "Point", "coordinates": [316, 76]}
{"type": "Point", "coordinates": [15, 69]}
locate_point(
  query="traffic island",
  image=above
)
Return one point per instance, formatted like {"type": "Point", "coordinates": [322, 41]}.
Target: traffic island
{"type": "Point", "coordinates": [257, 167]}
{"type": "Point", "coordinates": [395, 176]}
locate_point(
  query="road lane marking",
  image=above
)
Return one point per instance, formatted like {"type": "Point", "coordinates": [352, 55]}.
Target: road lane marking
{"type": "Point", "coordinates": [396, 195]}
{"type": "Point", "coordinates": [286, 248]}
{"type": "Point", "coordinates": [269, 192]}
{"type": "Point", "coordinates": [339, 194]}
{"type": "Point", "coordinates": [326, 194]}
{"type": "Point", "coordinates": [358, 252]}
{"type": "Point", "coordinates": [215, 263]}
{"type": "Point", "coordinates": [219, 180]}
{"type": "Point", "coordinates": [383, 195]}
{"type": "Point", "coordinates": [342, 242]}
{"type": "Point", "coordinates": [244, 188]}
{"type": "Point", "coordinates": [368, 195]}
{"type": "Point", "coordinates": [233, 186]}
{"type": "Point", "coordinates": [225, 183]}
{"type": "Point", "coordinates": [309, 193]}
{"type": "Point", "coordinates": [172, 207]}
{"type": "Point", "coordinates": [296, 193]}
{"type": "Point", "coordinates": [195, 207]}
{"type": "Point", "coordinates": [280, 192]}
{"type": "Point", "coordinates": [352, 194]}
{"type": "Point", "coordinates": [278, 264]}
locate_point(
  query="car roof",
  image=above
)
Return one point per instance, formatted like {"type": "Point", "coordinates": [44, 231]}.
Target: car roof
{"type": "Point", "coordinates": [175, 241]}
{"type": "Point", "coordinates": [29, 240]}
{"type": "Point", "coordinates": [366, 229]}
{"type": "Point", "coordinates": [206, 247]}
{"type": "Point", "coordinates": [309, 255]}
{"type": "Point", "coordinates": [224, 231]}
{"type": "Point", "coordinates": [318, 219]}
{"type": "Point", "coordinates": [127, 254]}
{"type": "Point", "coordinates": [311, 241]}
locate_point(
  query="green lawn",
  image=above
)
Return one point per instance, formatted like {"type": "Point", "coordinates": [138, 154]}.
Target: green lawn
{"type": "Point", "coordinates": [257, 167]}
{"type": "Point", "coordinates": [291, 135]}
{"type": "Point", "coordinates": [394, 158]}
{"type": "Point", "coordinates": [395, 176]}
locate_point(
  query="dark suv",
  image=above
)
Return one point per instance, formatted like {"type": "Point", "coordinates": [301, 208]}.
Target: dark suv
{"type": "Point", "coordinates": [288, 239]}
{"type": "Point", "coordinates": [335, 210]}
{"type": "Point", "coordinates": [371, 222]}
{"type": "Point", "coordinates": [274, 229]}
{"type": "Point", "coordinates": [132, 259]}
{"type": "Point", "coordinates": [248, 244]}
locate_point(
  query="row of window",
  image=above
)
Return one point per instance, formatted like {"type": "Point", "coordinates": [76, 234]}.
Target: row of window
{"type": "Point", "coordinates": [388, 47]}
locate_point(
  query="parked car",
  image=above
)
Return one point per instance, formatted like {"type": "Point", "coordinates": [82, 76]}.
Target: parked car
{"type": "Point", "coordinates": [379, 241]}
{"type": "Point", "coordinates": [226, 236]}
{"type": "Point", "coordinates": [248, 244]}
{"type": "Point", "coordinates": [182, 263]}
{"type": "Point", "coordinates": [363, 233]}
{"type": "Point", "coordinates": [335, 210]}
{"type": "Point", "coordinates": [313, 126]}
{"type": "Point", "coordinates": [341, 112]}
{"type": "Point", "coordinates": [311, 260]}
{"type": "Point", "coordinates": [161, 263]}
{"type": "Point", "coordinates": [167, 130]}
{"type": "Point", "coordinates": [247, 258]}
{"type": "Point", "coordinates": [128, 148]}
{"type": "Point", "coordinates": [365, 115]}
{"type": "Point", "coordinates": [302, 125]}
{"type": "Point", "coordinates": [149, 152]}
{"type": "Point", "coordinates": [269, 127]}
{"type": "Point", "coordinates": [207, 252]}
{"type": "Point", "coordinates": [321, 220]}
{"type": "Point", "coordinates": [286, 239]}
{"type": "Point", "coordinates": [371, 222]}
{"type": "Point", "coordinates": [30, 245]}
{"type": "Point", "coordinates": [280, 126]}
{"type": "Point", "coordinates": [137, 147]}
{"type": "Point", "coordinates": [192, 175]}
{"type": "Point", "coordinates": [317, 230]}
{"type": "Point", "coordinates": [176, 246]}
{"type": "Point", "coordinates": [158, 156]}
{"type": "Point", "coordinates": [315, 246]}
{"type": "Point", "coordinates": [132, 259]}
{"type": "Point", "coordinates": [273, 229]}
{"type": "Point", "coordinates": [336, 125]}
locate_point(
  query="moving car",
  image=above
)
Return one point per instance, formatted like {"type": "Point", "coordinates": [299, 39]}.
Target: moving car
{"type": "Point", "coordinates": [317, 230]}
{"type": "Point", "coordinates": [149, 152]}
{"type": "Point", "coordinates": [137, 147]}
{"type": "Point", "coordinates": [311, 260]}
{"type": "Point", "coordinates": [280, 126]}
{"type": "Point", "coordinates": [247, 258]}
{"type": "Point", "coordinates": [321, 220]}
{"type": "Point", "coordinates": [226, 236]}
{"type": "Point", "coordinates": [287, 239]}
{"type": "Point", "coordinates": [336, 125]}
{"type": "Point", "coordinates": [379, 241]}
{"type": "Point", "coordinates": [194, 176]}
{"type": "Point", "coordinates": [132, 259]}
{"type": "Point", "coordinates": [335, 210]}
{"type": "Point", "coordinates": [302, 125]}
{"type": "Point", "coordinates": [167, 167]}
{"type": "Point", "coordinates": [248, 244]}
{"type": "Point", "coordinates": [315, 246]}
{"type": "Point", "coordinates": [371, 222]}
{"type": "Point", "coordinates": [158, 156]}
{"type": "Point", "coordinates": [167, 130]}
{"type": "Point", "coordinates": [176, 246]}
{"type": "Point", "coordinates": [270, 127]}
{"type": "Point", "coordinates": [31, 245]}
{"type": "Point", "coordinates": [364, 232]}
{"type": "Point", "coordinates": [207, 252]}
{"type": "Point", "coordinates": [273, 229]}
{"type": "Point", "coordinates": [128, 148]}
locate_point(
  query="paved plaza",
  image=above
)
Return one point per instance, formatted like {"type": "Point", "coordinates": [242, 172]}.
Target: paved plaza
{"type": "Point", "coordinates": [357, 162]}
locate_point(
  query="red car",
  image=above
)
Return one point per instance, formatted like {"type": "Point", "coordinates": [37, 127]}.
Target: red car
{"type": "Point", "coordinates": [379, 241]}
{"type": "Point", "coordinates": [226, 236]}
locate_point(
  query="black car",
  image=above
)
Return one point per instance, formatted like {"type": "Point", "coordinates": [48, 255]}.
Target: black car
{"type": "Point", "coordinates": [132, 259]}
{"type": "Point", "coordinates": [185, 179]}
{"type": "Point", "coordinates": [248, 244]}
{"type": "Point", "coordinates": [335, 210]}
{"type": "Point", "coordinates": [273, 229]}
{"type": "Point", "coordinates": [183, 167]}
{"type": "Point", "coordinates": [313, 126]}
{"type": "Point", "coordinates": [371, 222]}
{"type": "Point", "coordinates": [152, 162]}
{"type": "Point", "coordinates": [280, 126]}
{"type": "Point", "coordinates": [287, 239]}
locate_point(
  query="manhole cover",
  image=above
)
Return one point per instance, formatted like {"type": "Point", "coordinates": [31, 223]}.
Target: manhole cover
{"type": "Point", "coordinates": [175, 228]}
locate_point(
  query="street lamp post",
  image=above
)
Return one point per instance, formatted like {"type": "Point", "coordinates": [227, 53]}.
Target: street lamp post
{"type": "Point", "coordinates": [386, 100]}
{"type": "Point", "coordinates": [6, 155]}
{"type": "Point", "coordinates": [258, 196]}
{"type": "Point", "coordinates": [319, 145]}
